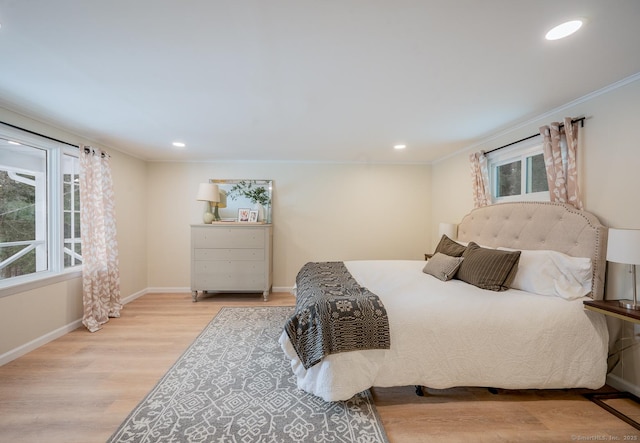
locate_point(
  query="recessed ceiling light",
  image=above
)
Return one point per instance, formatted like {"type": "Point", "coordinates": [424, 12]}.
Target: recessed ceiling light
{"type": "Point", "coordinates": [564, 30]}
{"type": "Point", "coordinates": [399, 146]}
{"type": "Point", "coordinates": [179, 144]}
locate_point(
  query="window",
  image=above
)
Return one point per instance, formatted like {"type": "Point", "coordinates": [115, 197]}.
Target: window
{"type": "Point", "coordinates": [71, 209]}
{"type": "Point", "coordinates": [518, 173]}
{"type": "Point", "coordinates": [39, 207]}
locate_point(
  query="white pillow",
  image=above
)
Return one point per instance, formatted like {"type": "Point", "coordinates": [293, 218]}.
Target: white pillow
{"type": "Point", "coordinates": [553, 273]}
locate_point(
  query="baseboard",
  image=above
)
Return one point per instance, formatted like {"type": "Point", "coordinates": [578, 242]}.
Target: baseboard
{"type": "Point", "coordinates": [622, 385]}
{"type": "Point", "coordinates": [42, 340]}
{"type": "Point", "coordinates": [168, 290]}
{"type": "Point", "coordinates": [132, 297]}
{"type": "Point", "coordinates": [57, 333]}
{"type": "Point", "coordinates": [50, 336]}
{"type": "Point", "coordinates": [288, 289]}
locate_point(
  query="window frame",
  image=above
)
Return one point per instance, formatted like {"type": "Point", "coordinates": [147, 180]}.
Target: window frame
{"type": "Point", "coordinates": [518, 152]}
{"type": "Point", "coordinates": [54, 211]}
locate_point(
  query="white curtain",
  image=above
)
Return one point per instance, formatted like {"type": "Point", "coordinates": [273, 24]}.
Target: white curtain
{"type": "Point", "coordinates": [562, 174]}
{"type": "Point", "coordinates": [100, 271]}
{"type": "Point", "coordinates": [480, 179]}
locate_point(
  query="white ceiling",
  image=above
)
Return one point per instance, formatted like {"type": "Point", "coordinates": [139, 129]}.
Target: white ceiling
{"type": "Point", "coordinates": [305, 80]}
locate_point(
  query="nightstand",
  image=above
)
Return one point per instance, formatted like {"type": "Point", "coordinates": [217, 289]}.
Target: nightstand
{"type": "Point", "coordinates": [613, 309]}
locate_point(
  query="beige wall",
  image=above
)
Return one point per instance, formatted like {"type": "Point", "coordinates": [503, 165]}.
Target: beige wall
{"type": "Point", "coordinates": [320, 212]}
{"type": "Point", "coordinates": [130, 189]}
{"type": "Point", "coordinates": [46, 311]}
{"type": "Point", "coordinates": [609, 158]}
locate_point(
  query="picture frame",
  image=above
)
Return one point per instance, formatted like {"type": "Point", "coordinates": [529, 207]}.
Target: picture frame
{"type": "Point", "coordinates": [243, 215]}
{"type": "Point", "coordinates": [253, 216]}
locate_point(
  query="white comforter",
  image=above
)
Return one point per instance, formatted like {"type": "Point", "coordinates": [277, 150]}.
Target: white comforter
{"type": "Point", "coordinates": [446, 334]}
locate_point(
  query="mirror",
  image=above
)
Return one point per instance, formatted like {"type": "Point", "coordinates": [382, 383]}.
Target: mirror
{"type": "Point", "coordinates": [249, 194]}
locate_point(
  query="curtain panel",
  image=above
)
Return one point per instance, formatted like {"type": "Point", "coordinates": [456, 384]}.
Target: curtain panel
{"type": "Point", "coordinates": [562, 175]}
{"type": "Point", "coordinates": [100, 270]}
{"type": "Point", "coordinates": [480, 179]}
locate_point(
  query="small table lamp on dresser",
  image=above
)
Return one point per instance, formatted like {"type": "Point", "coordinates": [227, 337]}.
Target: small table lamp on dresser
{"type": "Point", "coordinates": [624, 247]}
{"type": "Point", "coordinates": [208, 192]}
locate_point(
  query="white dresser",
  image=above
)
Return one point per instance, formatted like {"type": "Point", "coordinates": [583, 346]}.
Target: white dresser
{"type": "Point", "coordinates": [231, 257]}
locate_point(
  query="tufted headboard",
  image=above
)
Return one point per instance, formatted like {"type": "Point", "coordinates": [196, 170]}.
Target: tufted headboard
{"type": "Point", "coordinates": [541, 225]}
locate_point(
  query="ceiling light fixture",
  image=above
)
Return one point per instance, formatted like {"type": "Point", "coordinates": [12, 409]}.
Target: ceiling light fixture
{"type": "Point", "coordinates": [564, 30]}
{"type": "Point", "coordinates": [179, 144]}
{"type": "Point", "coordinates": [399, 147]}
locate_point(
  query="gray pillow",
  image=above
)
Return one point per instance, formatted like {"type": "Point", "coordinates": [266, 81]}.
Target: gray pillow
{"type": "Point", "coordinates": [442, 266]}
{"type": "Point", "coordinates": [450, 247]}
{"type": "Point", "coordinates": [485, 268]}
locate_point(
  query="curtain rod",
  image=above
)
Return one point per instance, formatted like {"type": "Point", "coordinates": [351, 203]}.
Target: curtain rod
{"type": "Point", "coordinates": [86, 149]}
{"type": "Point", "coordinates": [581, 120]}
{"type": "Point", "coordinates": [40, 135]}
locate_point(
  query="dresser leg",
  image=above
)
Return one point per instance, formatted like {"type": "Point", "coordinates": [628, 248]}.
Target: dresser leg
{"type": "Point", "coordinates": [194, 295]}
{"type": "Point", "coordinates": [265, 295]}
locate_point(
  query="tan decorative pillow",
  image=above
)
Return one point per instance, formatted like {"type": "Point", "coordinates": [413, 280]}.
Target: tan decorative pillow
{"type": "Point", "coordinates": [450, 247]}
{"type": "Point", "coordinates": [442, 266]}
{"type": "Point", "coordinates": [491, 269]}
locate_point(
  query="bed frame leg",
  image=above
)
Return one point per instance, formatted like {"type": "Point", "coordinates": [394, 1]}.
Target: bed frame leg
{"type": "Point", "coordinates": [419, 391]}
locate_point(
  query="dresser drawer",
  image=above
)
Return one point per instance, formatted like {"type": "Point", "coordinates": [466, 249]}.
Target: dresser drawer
{"type": "Point", "coordinates": [223, 274]}
{"type": "Point", "coordinates": [219, 267]}
{"type": "Point", "coordinates": [230, 282]}
{"type": "Point", "coordinates": [228, 254]}
{"type": "Point", "coordinates": [221, 237]}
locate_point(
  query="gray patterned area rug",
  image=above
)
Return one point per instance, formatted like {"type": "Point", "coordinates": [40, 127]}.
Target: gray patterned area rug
{"type": "Point", "coordinates": [234, 384]}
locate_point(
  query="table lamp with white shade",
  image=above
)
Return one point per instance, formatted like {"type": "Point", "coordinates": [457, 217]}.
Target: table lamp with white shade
{"type": "Point", "coordinates": [209, 193]}
{"type": "Point", "coordinates": [623, 246]}
{"type": "Point", "coordinates": [448, 229]}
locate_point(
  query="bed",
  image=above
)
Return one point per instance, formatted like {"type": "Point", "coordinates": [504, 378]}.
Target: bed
{"type": "Point", "coordinates": [444, 334]}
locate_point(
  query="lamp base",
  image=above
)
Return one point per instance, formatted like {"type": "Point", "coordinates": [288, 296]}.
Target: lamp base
{"type": "Point", "coordinates": [207, 218]}
{"type": "Point", "coordinates": [629, 304]}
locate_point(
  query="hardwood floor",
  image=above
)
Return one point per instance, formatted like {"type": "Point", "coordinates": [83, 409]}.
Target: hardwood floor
{"type": "Point", "coordinates": [80, 387]}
